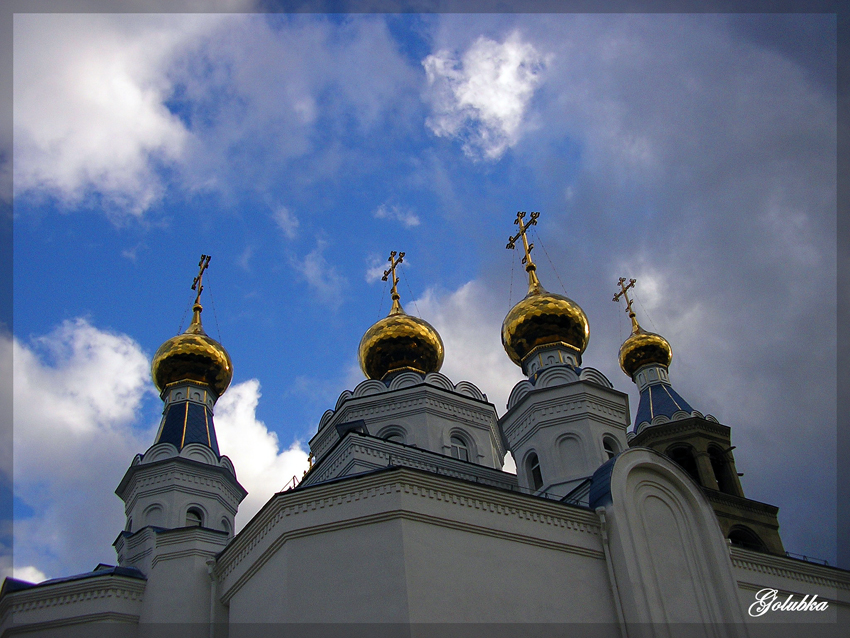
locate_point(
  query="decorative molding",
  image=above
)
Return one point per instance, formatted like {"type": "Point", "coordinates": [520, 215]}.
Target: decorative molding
{"type": "Point", "coordinates": [440, 488]}
{"type": "Point", "coordinates": [65, 593]}
{"type": "Point", "coordinates": [783, 567]}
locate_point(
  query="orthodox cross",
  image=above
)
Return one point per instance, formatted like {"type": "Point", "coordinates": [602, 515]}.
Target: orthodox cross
{"type": "Point", "coordinates": [623, 293]}
{"type": "Point", "coordinates": [393, 263]}
{"type": "Point", "coordinates": [530, 268]}
{"type": "Point", "coordinates": [197, 284]}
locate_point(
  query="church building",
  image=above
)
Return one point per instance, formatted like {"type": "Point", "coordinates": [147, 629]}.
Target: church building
{"type": "Point", "coordinates": [406, 517]}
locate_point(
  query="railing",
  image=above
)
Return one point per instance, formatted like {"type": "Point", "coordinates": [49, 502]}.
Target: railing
{"type": "Point", "coordinates": [808, 559]}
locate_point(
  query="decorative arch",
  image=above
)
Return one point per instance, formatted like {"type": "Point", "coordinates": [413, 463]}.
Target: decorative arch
{"type": "Point", "coordinates": [462, 446]}
{"type": "Point", "coordinates": [742, 536]}
{"type": "Point", "coordinates": [722, 470]}
{"type": "Point", "coordinates": [533, 472]}
{"type": "Point", "coordinates": [556, 375]}
{"type": "Point", "coordinates": [664, 533]}
{"type": "Point", "coordinates": [226, 526]}
{"type": "Point", "coordinates": [571, 451]}
{"type": "Point", "coordinates": [196, 516]}
{"type": "Point", "coordinates": [610, 446]}
{"type": "Point", "coordinates": [393, 433]}
{"type": "Point", "coordinates": [154, 515]}
{"type": "Point", "coordinates": [683, 455]}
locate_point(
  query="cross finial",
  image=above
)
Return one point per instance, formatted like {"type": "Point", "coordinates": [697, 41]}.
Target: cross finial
{"type": "Point", "coordinates": [623, 293]}
{"type": "Point", "coordinates": [530, 268]}
{"type": "Point", "coordinates": [396, 309]}
{"type": "Point", "coordinates": [197, 284]}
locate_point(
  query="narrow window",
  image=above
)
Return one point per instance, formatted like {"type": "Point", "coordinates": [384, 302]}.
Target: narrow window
{"type": "Point", "coordinates": [533, 467]}
{"type": "Point", "coordinates": [460, 450]}
{"type": "Point", "coordinates": [194, 518]}
{"type": "Point", "coordinates": [721, 470]}
{"type": "Point", "coordinates": [395, 437]}
{"type": "Point", "coordinates": [610, 448]}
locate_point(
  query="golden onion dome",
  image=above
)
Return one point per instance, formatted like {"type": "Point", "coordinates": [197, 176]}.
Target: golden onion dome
{"type": "Point", "coordinates": [643, 348]}
{"type": "Point", "coordinates": [400, 342]}
{"type": "Point", "coordinates": [192, 356]}
{"type": "Point", "coordinates": [543, 318]}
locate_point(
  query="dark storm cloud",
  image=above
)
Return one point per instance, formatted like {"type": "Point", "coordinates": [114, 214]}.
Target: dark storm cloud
{"type": "Point", "coordinates": [707, 155]}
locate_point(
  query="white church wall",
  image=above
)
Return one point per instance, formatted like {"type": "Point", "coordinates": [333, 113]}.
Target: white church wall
{"type": "Point", "coordinates": [762, 575]}
{"type": "Point", "coordinates": [669, 557]}
{"type": "Point", "coordinates": [405, 545]}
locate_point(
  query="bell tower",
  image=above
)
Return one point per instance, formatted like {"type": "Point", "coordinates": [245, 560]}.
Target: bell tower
{"type": "Point", "coordinates": [564, 421]}
{"type": "Point", "coordinates": [666, 423]}
{"type": "Point", "coordinates": [181, 496]}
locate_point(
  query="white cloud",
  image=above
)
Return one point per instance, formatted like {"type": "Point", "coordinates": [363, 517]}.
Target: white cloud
{"type": "Point", "coordinates": [74, 439]}
{"type": "Point", "coordinates": [77, 397]}
{"type": "Point", "coordinates": [286, 221]}
{"type": "Point", "coordinates": [89, 111]}
{"type": "Point", "coordinates": [397, 213]}
{"type": "Point", "coordinates": [378, 266]}
{"type": "Point", "coordinates": [261, 466]}
{"type": "Point", "coordinates": [321, 276]}
{"type": "Point", "coordinates": [483, 97]}
{"type": "Point", "coordinates": [29, 574]}
{"type": "Point", "coordinates": [470, 328]}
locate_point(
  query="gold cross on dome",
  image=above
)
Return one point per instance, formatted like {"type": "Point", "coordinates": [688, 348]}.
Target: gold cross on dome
{"type": "Point", "coordinates": [393, 263]}
{"type": "Point", "coordinates": [197, 284]}
{"type": "Point", "coordinates": [623, 293]}
{"type": "Point", "coordinates": [530, 268]}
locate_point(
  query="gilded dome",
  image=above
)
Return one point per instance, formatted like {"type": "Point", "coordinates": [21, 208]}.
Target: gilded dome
{"type": "Point", "coordinates": [543, 318]}
{"type": "Point", "coordinates": [193, 356]}
{"type": "Point", "coordinates": [400, 342]}
{"type": "Point", "coordinates": [642, 348]}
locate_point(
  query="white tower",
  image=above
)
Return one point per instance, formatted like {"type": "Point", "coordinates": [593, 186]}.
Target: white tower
{"type": "Point", "coordinates": [564, 421]}
{"type": "Point", "coordinates": [181, 495]}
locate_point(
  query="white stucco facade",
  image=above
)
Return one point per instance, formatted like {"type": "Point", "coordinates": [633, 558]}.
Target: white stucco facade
{"type": "Point", "coordinates": [393, 526]}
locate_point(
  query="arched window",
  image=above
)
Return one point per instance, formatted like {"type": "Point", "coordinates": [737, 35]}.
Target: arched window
{"type": "Point", "coordinates": [460, 450]}
{"type": "Point", "coordinates": [745, 537]}
{"type": "Point", "coordinates": [683, 456]}
{"type": "Point", "coordinates": [194, 517]}
{"type": "Point", "coordinates": [225, 525]}
{"type": "Point", "coordinates": [532, 468]}
{"type": "Point", "coordinates": [393, 433]}
{"type": "Point", "coordinates": [610, 446]}
{"type": "Point", "coordinates": [129, 527]}
{"type": "Point", "coordinates": [722, 470]}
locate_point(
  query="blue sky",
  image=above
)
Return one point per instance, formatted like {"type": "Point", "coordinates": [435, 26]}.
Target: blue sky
{"type": "Point", "coordinates": [695, 153]}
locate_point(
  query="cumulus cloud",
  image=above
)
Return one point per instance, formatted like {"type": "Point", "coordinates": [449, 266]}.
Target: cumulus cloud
{"type": "Point", "coordinates": [401, 214]}
{"type": "Point", "coordinates": [470, 326]}
{"type": "Point", "coordinates": [482, 98]}
{"type": "Point", "coordinates": [262, 467]}
{"type": "Point", "coordinates": [77, 394]}
{"type": "Point", "coordinates": [321, 276]}
{"type": "Point", "coordinates": [89, 112]}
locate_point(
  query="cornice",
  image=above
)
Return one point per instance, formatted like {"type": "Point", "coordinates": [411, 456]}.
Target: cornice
{"type": "Point", "coordinates": [695, 425]}
{"type": "Point", "coordinates": [397, 481]}
{"type": "Point", "coordinates": [69, 593]}
{"type": "Point", "coordinates": [790, 568]}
